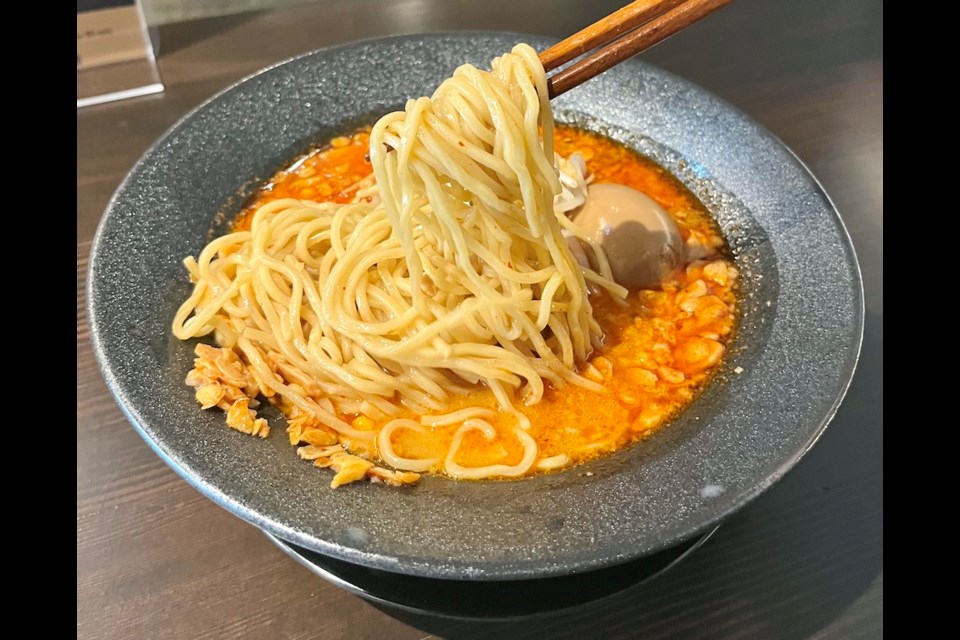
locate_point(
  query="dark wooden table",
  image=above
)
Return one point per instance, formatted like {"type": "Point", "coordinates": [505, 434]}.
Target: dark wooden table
{"type": "Point", "coordinates": [156, 559]}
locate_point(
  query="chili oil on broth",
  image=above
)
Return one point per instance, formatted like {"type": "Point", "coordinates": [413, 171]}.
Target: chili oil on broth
{"type": "Point", "coordinates": [658, 350]}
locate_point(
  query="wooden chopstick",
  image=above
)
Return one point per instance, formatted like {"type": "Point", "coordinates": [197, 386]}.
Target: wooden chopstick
{"type": "Point", "coordinates": [657, 21]}
{"type": "Point", "coordinates": [605, 30]}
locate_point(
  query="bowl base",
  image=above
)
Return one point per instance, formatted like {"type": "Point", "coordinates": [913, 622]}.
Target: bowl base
{"type": "Point", "coordinates": [486, 600]}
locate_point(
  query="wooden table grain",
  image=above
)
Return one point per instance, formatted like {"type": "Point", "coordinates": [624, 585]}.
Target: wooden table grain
{"type": "Point", "coordinates": [155, 559]}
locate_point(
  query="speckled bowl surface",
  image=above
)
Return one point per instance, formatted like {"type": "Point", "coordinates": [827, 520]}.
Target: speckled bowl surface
{"type": "Point", "coordinates": [784, 376]}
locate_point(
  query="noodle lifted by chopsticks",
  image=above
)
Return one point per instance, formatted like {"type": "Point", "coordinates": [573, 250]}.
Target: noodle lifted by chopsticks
{"type": "Point", "coordinates": [459, 275]}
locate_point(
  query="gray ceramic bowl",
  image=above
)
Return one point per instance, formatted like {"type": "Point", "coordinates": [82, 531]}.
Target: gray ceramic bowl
{"type": "Point", "coordinates": [786, 373]}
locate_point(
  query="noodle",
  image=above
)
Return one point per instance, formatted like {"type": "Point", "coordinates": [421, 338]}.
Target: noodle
{"type": "Point", "coordinates": [451, 271]}
{"type": "Point", "coordinates": [475, 473]}
{"type": "Point", "coordinates": [386, 447]}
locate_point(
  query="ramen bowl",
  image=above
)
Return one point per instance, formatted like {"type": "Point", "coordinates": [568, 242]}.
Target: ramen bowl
{"type": "Point", "coordinates": [784, 375]}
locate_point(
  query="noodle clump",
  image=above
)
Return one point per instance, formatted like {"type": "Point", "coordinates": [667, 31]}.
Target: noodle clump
{"type": "Point", "coordinates": [449, 271]}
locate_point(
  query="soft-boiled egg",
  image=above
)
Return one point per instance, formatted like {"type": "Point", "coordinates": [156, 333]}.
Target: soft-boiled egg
{"type": "Point", "coordinates": [641, 240]}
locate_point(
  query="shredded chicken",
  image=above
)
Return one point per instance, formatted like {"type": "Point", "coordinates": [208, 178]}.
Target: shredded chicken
{"type": "Point", "coordinates": [223, 380]}
{"type": "Point", "coordinates": [241, 418]}
{"type": "Point", "coordinates": [393, 478]}
{"type": "Point", "coordinates": [209, 395]}
{"type": "Point", "coordinates": [318, 437]}
{"type": "Point", "coordinates": [311, 452]}
{"type": "Point", "coordinates": [303, 427]}
{"type": "Point", "coordinates": [348, 468]}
